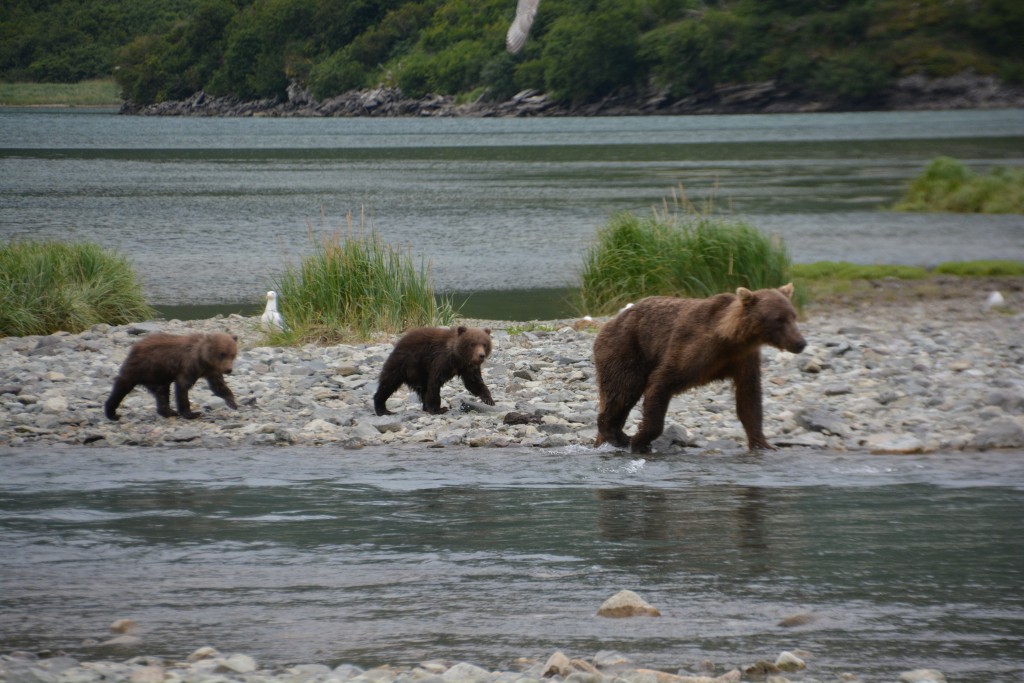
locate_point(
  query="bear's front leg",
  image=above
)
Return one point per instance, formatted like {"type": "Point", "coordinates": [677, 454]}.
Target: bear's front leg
{"type": "Point", "coordinates": [749, 408]}
{"type": "Point", "coordinates": [432, 399]}
{"type": "Point", "coordinates": [220, 388]}
{"type": "Point", "coordinates": [474, 382]}
{"type": "Point", "coordinates": [181, 398]}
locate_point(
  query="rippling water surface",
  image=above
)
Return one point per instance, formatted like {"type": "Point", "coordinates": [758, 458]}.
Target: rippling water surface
{"type": "Point", "coordinates": [396, 556]}
{"type": "Point", "coordinates": [211, 210]}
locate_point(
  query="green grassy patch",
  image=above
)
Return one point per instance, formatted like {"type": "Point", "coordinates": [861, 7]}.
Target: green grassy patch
{"type": "Point", "coordinates": [355, 286]}
{"type": "Point", "coordinates": [96, 93]}
{"type": "Point", "coordinates": [678, 251]}
{"type": "Point", "coordinates": [948, 185]}
{"type": "Point", "coordinates": [994, 268]}
{"type": "Point", "coordinates": [46, 287]}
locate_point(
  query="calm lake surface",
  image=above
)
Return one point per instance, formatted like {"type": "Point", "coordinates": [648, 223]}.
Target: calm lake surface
{"type": "Point", "coordinates": [211, 210]}
{"type": "Point", "coordinates": [397, 556]}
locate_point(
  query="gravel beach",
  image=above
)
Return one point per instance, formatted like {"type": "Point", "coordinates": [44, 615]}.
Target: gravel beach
{"type": "Point", "coordinates": [900, 371]}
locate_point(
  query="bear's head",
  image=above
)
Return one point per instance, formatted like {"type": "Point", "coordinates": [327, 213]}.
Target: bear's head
{"type": "Point", "coordinates": [770, 318]}
{"type": "Point", "coordinates": [219, 350]}
{"type": "Point", "coordinates": [473, 344]}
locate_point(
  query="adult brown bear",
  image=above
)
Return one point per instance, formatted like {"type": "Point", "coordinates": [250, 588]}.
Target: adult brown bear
{"type": "Point", "coordinates": [663, 346]}
{"type": "Point", "coordinates": [427, 357]}
{"type": "Point", "coordinates": [159, 360]}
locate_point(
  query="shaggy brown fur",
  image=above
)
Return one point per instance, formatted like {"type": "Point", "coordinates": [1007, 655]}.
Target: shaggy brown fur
{"type": "Point", "coordinates": [663, 346]}
{"type": "Point", "coordinates": [427, 357]}
{"type": "Point", "coordinates": [159, 360]}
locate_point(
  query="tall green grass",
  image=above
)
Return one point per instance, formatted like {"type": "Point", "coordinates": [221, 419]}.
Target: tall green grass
{"type": "Point", "coordinates": [356, 286]}
{"type": "Point", "coordinates": [948, 185]}
{"type": "Point", "coordinates": [678, 251]}
{"type": "Point", "coordinates": [50, 286]}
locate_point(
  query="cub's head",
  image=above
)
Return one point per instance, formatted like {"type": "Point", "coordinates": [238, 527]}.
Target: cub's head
{"type": "Point", "coordinates": [219, 350]}
{"type": "Point", "coordinates": [473, 344]}
{"type": "Point", "coordinates": [771, 318]}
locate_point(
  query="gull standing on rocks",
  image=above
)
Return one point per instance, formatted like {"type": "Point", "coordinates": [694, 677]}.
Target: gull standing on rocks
{"type": "Point", "coordinates": [526, 10]}
{"type": "Point", "coordinates": [271, 319]}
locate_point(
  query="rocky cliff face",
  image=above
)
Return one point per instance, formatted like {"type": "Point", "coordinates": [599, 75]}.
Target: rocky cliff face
{"type": "Point", "coordinates": [964, 91]}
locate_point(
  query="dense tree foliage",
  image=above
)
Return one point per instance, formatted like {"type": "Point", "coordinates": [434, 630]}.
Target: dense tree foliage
{"type": "Point", "coordinates": [578, 50]}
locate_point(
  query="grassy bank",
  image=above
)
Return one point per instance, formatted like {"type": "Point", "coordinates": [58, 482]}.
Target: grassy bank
{"type": "Point", "coordinates": [97, 93]}
{"type": "Point", "coordinates": [678, 251]}
{"type": "Point", "coordinates": [948, 185]}
{"type": "Point", "coordinates": [356, 286]}
{"type": "Point", "coordinates": [51, 286]}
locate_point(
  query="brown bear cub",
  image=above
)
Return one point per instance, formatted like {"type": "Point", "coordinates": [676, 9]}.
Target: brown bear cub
{"type": "Point", "coordinates": [663, 346]}
{"type": "Point", "coordinates": [159, 360]}
{"type": "Point", "coordinates": [427, 357]}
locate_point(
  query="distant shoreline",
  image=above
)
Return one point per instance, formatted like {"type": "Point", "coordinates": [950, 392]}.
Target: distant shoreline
{"type": "Point", "coordinates": [962, 91]}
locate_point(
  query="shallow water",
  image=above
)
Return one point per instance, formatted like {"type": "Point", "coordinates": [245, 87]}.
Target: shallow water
{"type": "Point", "coordinates": [396, 556]}
{"type": "Point", "coordinates": [212, 210]}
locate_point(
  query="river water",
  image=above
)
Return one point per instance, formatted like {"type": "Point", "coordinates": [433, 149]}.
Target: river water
{"type": "Point", "coordinates": [397, 556]}
{"type": "Point", "coordinates": [211, 210]}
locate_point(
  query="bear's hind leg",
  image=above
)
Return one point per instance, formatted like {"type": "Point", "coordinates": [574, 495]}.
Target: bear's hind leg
{"type": "Point", "coordinates": [162, 394]}
{"type": "Point", "coordinates": [613, 410]}
{"type": "Point", "coordinates": [181, 398]}
{"type": "Point", "coordinates": [117, 394]}
{"type": "Point", "coordinates": [656, 402]}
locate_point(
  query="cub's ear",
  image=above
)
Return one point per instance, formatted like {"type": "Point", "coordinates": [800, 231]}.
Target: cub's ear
{"type": "Point", "coordinates": [487, 331]}
{"type": "Point", "coordinates": [461, 329]}
{"type": "Point", "coordinates": [745, 295]}
{"type": "Point", "coordinates": [787, 290]}
{"type": "Point", "coordinates": [235, 337]}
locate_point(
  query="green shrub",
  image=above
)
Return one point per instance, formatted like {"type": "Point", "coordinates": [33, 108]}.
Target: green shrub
{"type": "Point", "coordinates": [677, 253]}
{"type": "Point", "coordinates": [356, 286]}
{"type": "Point", "coordinates": [948, 185]}
{"type": "Point", "coordinates": [46, 287]}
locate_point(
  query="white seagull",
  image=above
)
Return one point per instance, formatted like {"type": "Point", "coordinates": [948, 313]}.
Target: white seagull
{"type": "Point", "coordinates": [271, 319]}
{"type": "Point", "coordinates": [526, 10]}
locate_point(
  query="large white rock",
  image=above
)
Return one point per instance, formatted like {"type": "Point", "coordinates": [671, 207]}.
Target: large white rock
{"type": "Point", "coordinates": [626, 603]}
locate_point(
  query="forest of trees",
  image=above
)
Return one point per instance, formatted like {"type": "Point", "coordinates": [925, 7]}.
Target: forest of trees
{"type": "Point", "coordinates": [578, 50]}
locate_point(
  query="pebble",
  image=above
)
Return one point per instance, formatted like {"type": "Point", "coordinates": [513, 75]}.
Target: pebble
{"type": "Point", "coordinates": [935, 376]}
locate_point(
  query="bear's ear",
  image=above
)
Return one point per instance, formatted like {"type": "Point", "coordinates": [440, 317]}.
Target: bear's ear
{"type": "Point", "coordinates": [787, 290]}
{"type": "Point", "coordinates": [235, 337]}
{"type": "Point", "coordinates": [487, 331]}
{"type": "Point", "coordinates": [461, 330]}
{"type": "Point", "coordinates": [745, 295]}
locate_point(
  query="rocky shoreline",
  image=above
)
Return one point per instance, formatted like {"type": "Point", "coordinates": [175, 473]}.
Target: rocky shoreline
{"type": "Point", "coordinates": [207, 665]}
{"type": "Point", "coordinates": [962, 91]}
{"type": "Point", "coordinates": [881, 375]}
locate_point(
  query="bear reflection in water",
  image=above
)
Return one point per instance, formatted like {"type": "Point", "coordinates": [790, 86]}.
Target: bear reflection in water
{"type": "Point", "coordinates": [663, 346]}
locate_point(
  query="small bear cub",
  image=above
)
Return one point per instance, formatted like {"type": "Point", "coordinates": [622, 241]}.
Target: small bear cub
{"type": "Point", "coordinates": [159, 360]}
{"type": "Point", "coordinates": [427, 357]}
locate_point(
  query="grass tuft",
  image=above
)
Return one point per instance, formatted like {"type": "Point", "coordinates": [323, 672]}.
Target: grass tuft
{"type": "Point", "coordinates": [677, 251]}
{"type": "Point", "coordinates": [48, 286]}
{"type": "Point", "coordinates": [948, 185]}
{"type": "Point", "coordinates": [355, 286]}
